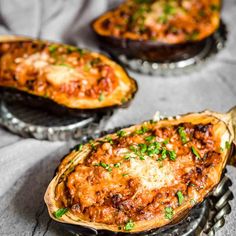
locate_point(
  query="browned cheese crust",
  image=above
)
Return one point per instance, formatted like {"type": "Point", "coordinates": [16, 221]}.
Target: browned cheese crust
{"type": "Point", "coordinates": [67, 75]}
{"type": "Point", "coordinates": [170, 22]}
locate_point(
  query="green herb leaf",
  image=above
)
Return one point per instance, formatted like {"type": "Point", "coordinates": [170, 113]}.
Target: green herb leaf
{"type": "Point", "coordinates": [227, 145]}
{"type": "Point", "coordinates": [215, 7]}
{"type": "Point", "coordinates": [95, 61]}
{"type": "Point", "coordinates": [143, 1]}
{"type": "Point", "coordinates": [172, 155]}
{"type": "Point", "coordinates": [169, 212]}
{"type": "Point", "coordinates": [65, 65]}
{"type": "Point", "coordinates": [52, 48]}
{"type": "Point", "coordinates": [129, 225]}
{"type": "Point", "coordinates": [149, 138]}
{"type": "Point", "coordinates": [105, 166]}
{"type": "Point", "coordinates": [166, 141]}
{"type": "Point", "coordinates": [60, 212]}
{"type": "Point", "coordinates": [182, 134]}
{"type": "Point", "coordinates": [180, 197]}
{"type": "Point", "coordinates": [91, 142]}
{"type": "Point", "coordinates": [169, 10]}
{"type": "Point", "coordinates": [120, 133]}
{"type": "Point", "coordinates": [163, 154]}
{"type": "Point", "coordinates": [117, 165]}
{"type": "Point", "coordinates": [127, 157]}
{"type": "Point", "coordinates": [194, 151]}
{"type": "Point", "coordinates": [143, 130]}
{"type": "Point", "coordinates": [109, 139]}
{"type": "Point", "coordinates": [101, 97]}
{"type": "Point", "coordinates": [143, 147]}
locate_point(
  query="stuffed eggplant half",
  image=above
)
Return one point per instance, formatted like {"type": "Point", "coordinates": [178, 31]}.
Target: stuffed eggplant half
{"type": "Point", "coordinates": [62, 75]}
{"type": "Point", "coordinates": [158, 30]}
{"type": "Point", "coordinates": [142, 177]}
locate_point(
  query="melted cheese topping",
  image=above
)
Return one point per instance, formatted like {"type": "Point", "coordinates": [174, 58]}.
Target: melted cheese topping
{"type": "Point", "coordinates": [54, 70]}
{"type": "Point", "coordinates": [150, 173]}
{"type": "Point", "coordinates": [160, 20]}
{"type": "Point", "coordinates": [137, 175]}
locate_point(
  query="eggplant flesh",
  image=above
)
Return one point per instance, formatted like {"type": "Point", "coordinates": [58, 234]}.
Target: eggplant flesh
{"type": "Point", "coordinates": [62, 76]}
{"type": "Point", "coordinates": [156, 30]}
{"type": "Point", "coordinates": [143, 177]}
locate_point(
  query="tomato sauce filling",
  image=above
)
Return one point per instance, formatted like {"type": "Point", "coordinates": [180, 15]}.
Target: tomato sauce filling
{"type": "Point", "coordinates": [141, 175]}
{"type": "Point", "coordinates": [165, 21]}
{"type": "Point", "coordinates": [47, 69]}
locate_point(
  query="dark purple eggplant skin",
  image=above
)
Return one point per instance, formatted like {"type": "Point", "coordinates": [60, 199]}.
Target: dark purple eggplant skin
{"type": "Point", "coordinates": [12, 95]}
{"type": "Point", "coordinates": [147, 50]}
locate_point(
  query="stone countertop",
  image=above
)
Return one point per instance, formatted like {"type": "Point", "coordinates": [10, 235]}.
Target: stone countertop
{"type": "Point", "coordinates": [27, 165]}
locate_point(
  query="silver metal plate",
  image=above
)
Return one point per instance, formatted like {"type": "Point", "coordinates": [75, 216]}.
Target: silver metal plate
{"type": "Point", "coordinates": [212, 46]}
{"type": "Point", "coordinates": [29, 122]}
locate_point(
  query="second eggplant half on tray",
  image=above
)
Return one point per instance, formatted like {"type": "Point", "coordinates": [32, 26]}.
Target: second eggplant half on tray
{"type": "Point", "coordinates": [157, 30]}
{"type": "Point", "coordinates": [62, 76]}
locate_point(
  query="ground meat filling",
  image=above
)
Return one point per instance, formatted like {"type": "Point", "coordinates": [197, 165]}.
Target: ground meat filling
{"type": "Point", "coordinates": [163, 20]}
{"type": "Point", "coordinates": [141, 175]}
{"type": "Point", "coordinates": [47, 69]}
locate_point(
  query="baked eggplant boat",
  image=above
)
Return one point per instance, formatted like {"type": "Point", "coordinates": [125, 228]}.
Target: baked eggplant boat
{"type": "Point", "coordinates": [142, 177]}
{"type": "Point", "coordinates": [62, 75]}
{"type": "Point", "coordinates": [158, 30]}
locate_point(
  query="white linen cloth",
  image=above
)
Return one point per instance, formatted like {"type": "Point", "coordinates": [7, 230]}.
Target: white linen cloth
{"type": "Point", "coordinates": [27, 165]}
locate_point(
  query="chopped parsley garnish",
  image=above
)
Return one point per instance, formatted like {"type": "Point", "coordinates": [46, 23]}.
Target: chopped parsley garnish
{"type": "Point", "coordinates": [87, 67]}
{"type": "Point", "coordinates": [143, 130]}
{"type": "Point", "coordinates": [149, 138]}
{"type": "Point", "coordinates": [227, 145]}
{"type": "Point", "coordinates": [129, 225]}
{"type": "Point", "coordinates": [125, 174]}
{"type": "Point", "coordinates": [172, 155]}
{"type": "Point", "coordinates": [143, 147]}
{"type": "Point", "coordinates": [65, 65]}
{"type": "Point", "coordinates": [127, 157]}
{"type": "Point", "coordinates": [182, 134]}
{"type": "Point", "coordinates": [169, 212]}
{"type": "Point", "coordinates": [215, 7]}
{"type": "Point", "coordinates": [153, 148]}
{"type": "Point", "coordinates": [71, 49]}
{"type": "Point", "coordinates": [95, 61]}
{"type": "Point", "coordinates": [163, 154]}
{"type": "Point", "coordinates": [143, 1]}
{"type": "Point", "coordinates": [81, 51]}
{"type": "Point", "coordinates": [141, 158]}
{"type": "Point", "coordinates": [195, 152]}
{"type": "Point", "coordinates": [52, 48]}
{"type": "Point", "coordinates": [109, 140]}
{"type": "Point", "coordinates": [79, 147]}
{"type": "Point", "coordinates": [60, 212]}
{"type": "Point", "coordinates": [91, 142]}
{"type": "Point", "coordinates": [105, 166]}
{"type": "Point", "coordinates": [193, 35]}
{"type": "Point", "coordinates": [169, 10]}
{"type": "Point", "coordinates": [166, 141]}
{"type": "Point", "coordinates": [101, 97]}
{"type": "Point", "coordinates": [117, 165]}
{"type": "Point", "coordinates": [120, 133]}
{"type": "Point", "coordinates": [123, 100]}
{"type": "Point", "coordinates": [180, 197]}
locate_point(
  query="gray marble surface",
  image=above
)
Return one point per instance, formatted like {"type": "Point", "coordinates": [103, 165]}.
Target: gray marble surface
{"type": "Point", "coordinates": [27, 165]}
